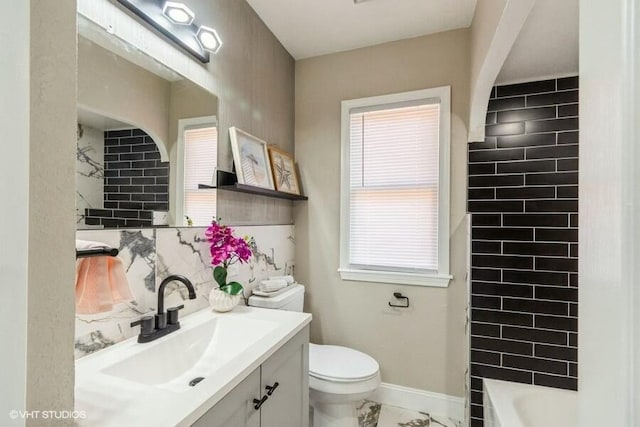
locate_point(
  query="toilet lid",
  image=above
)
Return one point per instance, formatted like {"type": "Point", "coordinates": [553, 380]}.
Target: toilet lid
{"type": "Point", "coordinates": [335, 363]}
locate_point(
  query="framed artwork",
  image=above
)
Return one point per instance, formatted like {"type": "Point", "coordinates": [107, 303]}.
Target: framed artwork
{"type": "Point", "coordinates": [251, 159]}
{"type": "Point", "coordinates": [284, 171]}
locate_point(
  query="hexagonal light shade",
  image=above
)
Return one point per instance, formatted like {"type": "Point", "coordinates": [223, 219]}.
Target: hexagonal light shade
{"type": "Point", "coordinates": [209, 39]}
{"type": "Point", "coordinates": [178, 13]}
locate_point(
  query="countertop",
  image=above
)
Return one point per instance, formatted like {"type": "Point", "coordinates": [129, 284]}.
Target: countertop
{"type": "Point", "coordinates": [112, 401]}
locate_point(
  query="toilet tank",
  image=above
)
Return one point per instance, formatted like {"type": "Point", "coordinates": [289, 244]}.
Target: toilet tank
{"type": "Point", "coordinates": [290, 300]}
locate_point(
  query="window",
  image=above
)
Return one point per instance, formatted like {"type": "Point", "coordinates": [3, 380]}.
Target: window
{"type": "Point", "coordinates": [395, 188]}
{"type": "Point", "coordinates": [198, 145]}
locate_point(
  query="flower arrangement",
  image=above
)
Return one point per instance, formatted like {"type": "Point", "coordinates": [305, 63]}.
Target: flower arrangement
{"type": "Point", "coordinates": [226, 249]}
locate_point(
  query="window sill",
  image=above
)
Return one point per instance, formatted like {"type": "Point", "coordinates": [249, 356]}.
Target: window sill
{"type": "Point", "coordinates": [413, 279]}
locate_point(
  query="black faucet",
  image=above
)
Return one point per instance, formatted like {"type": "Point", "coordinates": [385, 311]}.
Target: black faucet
{"type": "Point", "coordinates": [152, 328]}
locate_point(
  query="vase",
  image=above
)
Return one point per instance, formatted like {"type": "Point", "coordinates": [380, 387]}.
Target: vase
{"type": "Point", "coordinates": [222, 302]}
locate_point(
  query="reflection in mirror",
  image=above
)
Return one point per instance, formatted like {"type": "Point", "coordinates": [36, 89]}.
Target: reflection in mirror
{"type": "Point", "coordinates": [147, 144]}
{"type": "Point", "coordinates": [121, 179]}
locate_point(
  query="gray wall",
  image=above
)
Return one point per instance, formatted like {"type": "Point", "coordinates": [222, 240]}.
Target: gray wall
{"type": "Point", "coordinates": [52, 162]}
{"type": "Point", "coordinates": [256, 79]}
{"type": "Point", "coordinates": [423, 347]}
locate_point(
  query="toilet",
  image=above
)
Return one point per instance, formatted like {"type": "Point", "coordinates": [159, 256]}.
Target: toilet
{"type": "Point", "coordinates": [339, 377]}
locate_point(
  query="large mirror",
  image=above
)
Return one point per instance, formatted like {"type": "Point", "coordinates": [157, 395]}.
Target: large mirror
{"type": "Point", "coordinates": [147, 142]}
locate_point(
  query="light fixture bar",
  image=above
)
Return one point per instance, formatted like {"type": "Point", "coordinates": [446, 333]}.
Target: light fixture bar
{"type": "Point", "coordinates": [177, 22]}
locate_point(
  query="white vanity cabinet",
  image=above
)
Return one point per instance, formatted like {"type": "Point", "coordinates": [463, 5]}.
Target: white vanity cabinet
{"type": "Point", "coordinates": [288, 404]}
{"type": "Point", "coordinates": [236, 408]}
{"type": "Point", "coordinates": [276, 394]}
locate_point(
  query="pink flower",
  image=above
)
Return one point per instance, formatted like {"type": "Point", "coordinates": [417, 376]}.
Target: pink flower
{"type": "Point", "coordinates": [226, 249]}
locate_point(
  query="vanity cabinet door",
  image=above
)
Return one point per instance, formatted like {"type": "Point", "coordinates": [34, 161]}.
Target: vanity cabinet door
{"type": "Point", "coordinates": [236, 409]}
{"type": "Point", "coordinates": [288, 403]}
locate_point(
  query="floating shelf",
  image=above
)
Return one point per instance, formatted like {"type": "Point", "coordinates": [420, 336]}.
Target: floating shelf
{"type": "Point", "coordinates": [228, 181]}
{"type": "Point", "coordinates": [250, 189]}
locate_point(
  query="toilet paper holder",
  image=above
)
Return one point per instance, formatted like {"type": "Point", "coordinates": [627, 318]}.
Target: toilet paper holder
{"type": "Point", "coordinates": [398, 295]}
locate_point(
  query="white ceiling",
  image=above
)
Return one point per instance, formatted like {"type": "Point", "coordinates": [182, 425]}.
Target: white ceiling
{"type": "Point", "coordinates": [547, 45]}
{"type": "Point", "coordinates": [309, 28]}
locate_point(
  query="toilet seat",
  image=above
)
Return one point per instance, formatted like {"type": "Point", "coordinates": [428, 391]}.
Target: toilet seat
{"type": "Point", "coordinates": [341, 364]}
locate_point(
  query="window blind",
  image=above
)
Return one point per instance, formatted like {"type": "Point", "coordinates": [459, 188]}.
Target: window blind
{"type": "Point", "coordinates": [200, 160]}
{"type": "Point", "coordinates": [393, 194]}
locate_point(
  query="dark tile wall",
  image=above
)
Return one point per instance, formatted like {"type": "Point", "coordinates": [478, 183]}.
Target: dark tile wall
{"type": "Point", "coordinates": [523, 197]}
{"type": "Point", "coordinates": [136, 182]}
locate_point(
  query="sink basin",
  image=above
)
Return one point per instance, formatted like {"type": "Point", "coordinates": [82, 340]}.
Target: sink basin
{"type": "Point", "coordinates": [175, 360]}
{"type": "Point", "coordinates": [177, 378]}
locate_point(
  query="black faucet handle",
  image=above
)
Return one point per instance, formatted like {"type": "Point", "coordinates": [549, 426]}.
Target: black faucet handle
{"type": "Point", "coordinates": [147, 325]}
{"type": "Point", "coordinates": [172, 314]}
{"type": "Point", "coordinates": [161, 320]}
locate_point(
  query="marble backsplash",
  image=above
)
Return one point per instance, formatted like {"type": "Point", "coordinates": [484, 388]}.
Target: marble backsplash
{"type": "Point", "coordinates": [89, 172]}
{"type": "Point", "coordinates": [150, 255]}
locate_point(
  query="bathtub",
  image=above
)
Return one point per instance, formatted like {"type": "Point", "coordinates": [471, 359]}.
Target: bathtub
{"type": "Point", "coordinates": [509, 404]}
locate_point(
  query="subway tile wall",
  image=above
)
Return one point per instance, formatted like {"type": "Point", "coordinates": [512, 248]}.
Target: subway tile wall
{"type": "Point", "coordinates": [136, 181]}
{"type": "Point", "coordinates": [523, 197]}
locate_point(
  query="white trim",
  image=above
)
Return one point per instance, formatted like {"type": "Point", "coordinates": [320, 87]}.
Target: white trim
{"type": "Point", "coordinates": [414, 279]}
{"type": "Point", "coordinates": [487, 63]}
{"type": "Point", "coordinates": [444, 181]}
{"type": "Point", "coordinates": [443, 94]}
{"type": "Point", "coordinates": [420, 400]}
{"type": "Point", "coordinates": [185, 124]}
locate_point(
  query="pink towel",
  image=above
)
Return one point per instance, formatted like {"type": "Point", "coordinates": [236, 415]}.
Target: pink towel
{"type": "Point", "coordinates": [100, 282]}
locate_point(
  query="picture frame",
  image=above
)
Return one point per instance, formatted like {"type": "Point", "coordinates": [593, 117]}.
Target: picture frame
{"type": "Point", "coordinates": [284, 171]}
{"type": "Point", "coordinates": [251, 159]}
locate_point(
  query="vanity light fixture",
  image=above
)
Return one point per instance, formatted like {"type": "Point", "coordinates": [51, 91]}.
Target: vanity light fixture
{"type": "Point", "coordinates": [177, 22]}
{"type": "Point", "coordinates": [178, 13]}
{"type": "Point", "coordinates": [209, 39]}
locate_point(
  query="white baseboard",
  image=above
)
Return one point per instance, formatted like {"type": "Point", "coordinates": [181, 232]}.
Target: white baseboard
{"type": "Point", "coordinates": [419, 400]}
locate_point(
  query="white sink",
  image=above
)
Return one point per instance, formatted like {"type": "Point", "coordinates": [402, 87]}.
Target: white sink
{"type": "Point", "coordinates": [174, 361]}
{"type": "Point", "coordinates": [148, 384]}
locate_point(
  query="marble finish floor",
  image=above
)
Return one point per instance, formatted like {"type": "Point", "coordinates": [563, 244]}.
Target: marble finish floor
{"type": "Point", "coordinates": [373, 414]}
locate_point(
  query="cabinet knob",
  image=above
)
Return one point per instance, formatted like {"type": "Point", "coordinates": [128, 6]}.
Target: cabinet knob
{"type": "Point", "coordinates": [258, 403]}
{"type": "Point", "coordinates": [271, 388]}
